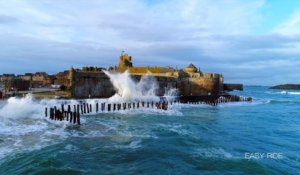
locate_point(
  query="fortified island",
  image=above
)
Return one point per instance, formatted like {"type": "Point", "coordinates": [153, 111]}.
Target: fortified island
{"type": "Point", "coordinates": [92, 82]}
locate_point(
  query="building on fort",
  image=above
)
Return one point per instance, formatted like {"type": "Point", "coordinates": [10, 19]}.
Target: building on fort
{"type": "Point", "coordinates": [6, 77]}
{"type": "Point", "coordinates": [93, 82]}
{"type": "Point", "coordinates": [189, 81]}
{"type": "Point", "coordinates": [15, 85]}
{"type": "Point", "coordinates": [38, 79]}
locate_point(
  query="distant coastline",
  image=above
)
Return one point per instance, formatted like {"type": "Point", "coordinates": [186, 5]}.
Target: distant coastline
{"type": "Point", "coordinates": [287, 87]}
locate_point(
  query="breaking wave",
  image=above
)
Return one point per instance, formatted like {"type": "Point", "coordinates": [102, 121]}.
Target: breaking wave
{"type": "Point", "coordinates": [285, 92]}
{"type": "Point", "coordinates": [146, 88]}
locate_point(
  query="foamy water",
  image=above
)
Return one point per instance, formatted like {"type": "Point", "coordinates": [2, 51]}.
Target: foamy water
{"type": "Point", "coordinates": [186, 139]}
{"type": "Point", "coordinates": [289, 92]}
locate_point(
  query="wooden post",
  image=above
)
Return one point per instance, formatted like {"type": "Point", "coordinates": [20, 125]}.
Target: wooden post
{"type": "Point", "coordinates": [97, 107]}
{"type": "Point", "coordinates": [67, 115]}
{"type": "Point", "coordinates": [133, 105]}
{"type": "Point", "coordinates": [61, 116]}
{"type": "Point", "coordinates": [143, 104]}
{"type": "Point", "coordinates": [51, 113]}
{"type": "Point", "coordinates": [124, 106]}
{"type": "Point", "coordinates": [138, 104]}
{"type": "Point", "coordinates": [71, 116]}
{"type": "Point", "coordinates": [62, 108]}
{"type": "Point", "coordinates": [119, 107]}
{"type": "Point", "coordinates": [148, 104]}
{"type": "Point", "coordinates": [108, 107]}
{"type": "Point", "coordinates": [78, 118]}
{"type": "Point", "coordinates": [55, 113]}
{"type": "Point", "coordinates": [84, 108]}
{"type": "Point", "coordinates": [152, 104]}
{"type": "Point", "coordinates": [58, 114]}
{"type": "Point", "coordinates": [74, 117]}
{"type": "Point", "coordinates": [69, 108]}
{"type": "Point", "coordinates": [90, 107]}
{"type": "Point", "coordinates": [129, 105]}
{"type": "Point", "coordinates": [46, 113]}
{"type": "Point", "coordinates": [114, 107]}
{"type": "Point", "coordinates": [81, 108]}
{"type": "Point", "coordinates": [78, 109]}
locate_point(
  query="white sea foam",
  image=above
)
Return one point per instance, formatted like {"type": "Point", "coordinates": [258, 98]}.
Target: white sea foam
{"type": "Point", "coordinates": [23, 126]}
{"type": "Point", "coordinates": [294, 93]}
{"type": "Point", "coordinates": [236, 104]}
{"type": "Point", "coordinates": [284, 92]}
{"type": "Point", "coordinates": [176, 128]}
{"type": "Point", "coordinates": [129, 90]}
{"type": "Point", "coordinates": [213, 152]}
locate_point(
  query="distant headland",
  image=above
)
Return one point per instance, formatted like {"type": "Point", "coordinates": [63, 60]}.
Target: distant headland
{"type": "Point", "coordinates": [287, 87]}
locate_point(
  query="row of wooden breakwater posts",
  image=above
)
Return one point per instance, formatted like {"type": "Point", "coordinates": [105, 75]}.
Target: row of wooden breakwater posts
{"type": "Point", "coordinates": [65, 113]}
{"type": "Point", "coordinates": [85, 108]}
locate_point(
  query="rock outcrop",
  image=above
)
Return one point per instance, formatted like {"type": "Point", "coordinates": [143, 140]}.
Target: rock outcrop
{"type": "Point", "coordinates": [287, 87]}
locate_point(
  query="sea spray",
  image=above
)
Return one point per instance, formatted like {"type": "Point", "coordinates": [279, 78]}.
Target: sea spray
{"type": "Point", "coordinates": [23, 126]}
{"type": "Point", "coordinates": [146, 88]}
{"type": "Point", "coordinates": [129, 90]}
{"type": "Point", "coordinates": [21, 107]}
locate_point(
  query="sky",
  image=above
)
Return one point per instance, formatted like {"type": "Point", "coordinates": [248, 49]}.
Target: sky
{"type": "Point", "coordinates": [254, 42]}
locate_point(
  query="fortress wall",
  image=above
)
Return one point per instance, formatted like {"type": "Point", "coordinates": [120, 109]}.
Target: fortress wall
{"type": "Point", "coordinates": [97, 84]}
{"type": "Point", "coordinates": [164, 83]}
{"type": "Point", "coordinates": [63, 78]}
{"type": "Point", "coordinates": [200, 86]}
{"type": "Point", "coordinates": [91, 84]}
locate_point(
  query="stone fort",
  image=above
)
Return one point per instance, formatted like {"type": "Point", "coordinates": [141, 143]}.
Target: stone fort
{"type": "Point", "coordinates": [92, 82]}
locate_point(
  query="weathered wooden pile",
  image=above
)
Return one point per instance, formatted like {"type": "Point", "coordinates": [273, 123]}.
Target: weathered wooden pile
{"type": "Point", "coordinates": [60, 114]}
{"type": "Point", "coordinates": [72, 113]}
{"type": "Point", "coordinates": [213, 101]}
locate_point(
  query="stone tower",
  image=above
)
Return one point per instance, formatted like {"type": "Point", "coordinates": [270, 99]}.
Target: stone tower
{"type": "Point", "coordinates": [124, 63]}
{"type": "Point", "coordinates": [71, 77]}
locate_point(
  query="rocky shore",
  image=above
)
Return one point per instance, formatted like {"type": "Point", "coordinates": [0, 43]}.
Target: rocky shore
{"type": "Point", "coordinates": [287, 87]}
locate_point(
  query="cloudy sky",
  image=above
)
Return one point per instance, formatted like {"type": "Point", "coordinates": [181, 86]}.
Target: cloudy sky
{"type": "Point", "coordinates": [255, 42]}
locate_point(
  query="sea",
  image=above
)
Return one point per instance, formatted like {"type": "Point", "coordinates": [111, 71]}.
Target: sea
{"type": "Point", "coordinates": [258, 137]}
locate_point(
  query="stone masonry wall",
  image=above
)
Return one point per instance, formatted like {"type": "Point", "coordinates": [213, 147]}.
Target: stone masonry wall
{"type": "Point", "coordinates": [91, 84]}
{"type": "Point", "coordinates": [97, 84]}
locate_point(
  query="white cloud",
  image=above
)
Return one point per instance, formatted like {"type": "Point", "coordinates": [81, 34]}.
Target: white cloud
{"type": "Point", "coordinates": [217, 36]}
{"type": "Point", "coordinates": [291, 26]}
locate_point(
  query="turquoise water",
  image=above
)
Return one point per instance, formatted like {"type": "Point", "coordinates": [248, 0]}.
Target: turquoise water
{"type": "Point", "coordinates": [187, 139]}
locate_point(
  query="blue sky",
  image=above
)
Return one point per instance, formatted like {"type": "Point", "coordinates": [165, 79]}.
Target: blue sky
{"type": "Point", "coordinates": [250, 42]}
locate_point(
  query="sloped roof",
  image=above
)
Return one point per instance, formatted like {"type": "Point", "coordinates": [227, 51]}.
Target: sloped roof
{"type": "Point", "coordinates": [192, 66]}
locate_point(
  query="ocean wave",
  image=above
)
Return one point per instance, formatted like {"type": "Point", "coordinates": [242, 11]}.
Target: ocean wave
{"type": "Point", "coordinates": [237, 104]}
{"type": "Point", "coordinates": [134, 144]}
{"type": "Point", "coordinates": [175, 128]}
{"type": "Point", "coordinates": [290, 102]}
{"type": "Point", "coordinates": [214, 152]}
{"type": "Point", "coordinates": [284, 92]}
